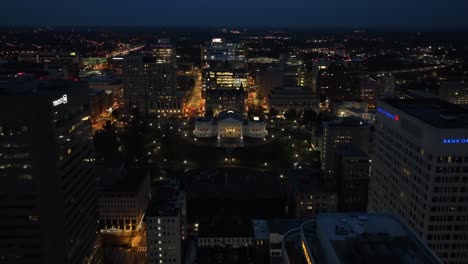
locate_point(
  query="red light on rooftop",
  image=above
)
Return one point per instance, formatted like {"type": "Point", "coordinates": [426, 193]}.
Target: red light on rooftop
{"type": "Point", "coordinates": [396, 118]}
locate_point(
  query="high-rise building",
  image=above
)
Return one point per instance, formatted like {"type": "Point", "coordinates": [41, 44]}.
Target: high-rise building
{"type": "Point", "coordinates": [368, 89]}
{"type": "Point", "coordinates": [150, 85]}
{"type": "Point", "coordinates": [386, 83]}
{"type": "Point", "coordinates": [166, 220]}
{"type": "Point", "coordinates": [224, 66]}
{"type": "Point", "coordinates": [164, 51]}
{"type": "Point", "coordinates": [353, 180]}
{"type": "Point", "coordinates": [455, 92]}
{"type": "Point", "coordinates": [332, 82]}
{"type": "Point", "coordinates": [337, 135]}
{"type": "Point", "coordinates": [420, 171]}
{"type": "Point", "coordinates": [48, 186]}
{"type": "Point", "coordinates": [221, 50]}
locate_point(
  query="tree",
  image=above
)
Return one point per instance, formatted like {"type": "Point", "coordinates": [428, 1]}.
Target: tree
{"type": "Point", "coordinates": [291, 114]}
{"type": "Point", "coordinates": [309, 116]}
{"type": "Point", "coordinates": [273, 112]}
{"type": "Point", "coordinates": [209, 112]}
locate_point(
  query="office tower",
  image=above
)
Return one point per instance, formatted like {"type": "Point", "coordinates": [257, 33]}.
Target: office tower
{"type": "Point", "coordinates": [221, 50]}
{"type": "Point", "coordinates": [337, 135]}
{"type": "Point", "coordinates": [223, 76]}
{"type": "Point", "coordinates": [332, 82]}
{"type": "Point", "coordinates": [368, 90]}
{"type": "Point", "coordinates": [420, 171]}
{"type": "Point", "coordinates": [386, 83]}
{"type": "Point", "coordinates": [48, 188]}
{"type": "Point", "coordinates": [455, 92]}
{"type": "Point", "coordinates": [226, 100]}
{"type": "Point", "coordinates": [336, 238]}
{"type": "Point", "coordinates": [353, 180]}
{"type": "Point", "coordinates": [224, 65]}
{"type": "Point", "coordinates": [164, 51]}
{"type": "Point", "coordinates": [150, 85]}
{"type": "Point", "coordinates": [166, 220]}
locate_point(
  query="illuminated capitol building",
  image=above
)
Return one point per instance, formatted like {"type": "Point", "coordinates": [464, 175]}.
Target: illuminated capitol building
{"type": "Point", "coordinates": [230, 126]}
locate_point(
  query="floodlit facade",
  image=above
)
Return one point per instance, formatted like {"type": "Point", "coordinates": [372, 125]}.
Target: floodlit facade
{"type": "Point", "coordinates": [420, 171]}
{"type": "Point", "coordinates": [230, 125]}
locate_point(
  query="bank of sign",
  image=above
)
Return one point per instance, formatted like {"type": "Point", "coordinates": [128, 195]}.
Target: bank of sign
{"type": "Point", "coordinates": [455, 141]}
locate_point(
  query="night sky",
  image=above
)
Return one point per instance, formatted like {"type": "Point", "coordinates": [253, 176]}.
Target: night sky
{"type": "Point", "coordinates": [260, 13]}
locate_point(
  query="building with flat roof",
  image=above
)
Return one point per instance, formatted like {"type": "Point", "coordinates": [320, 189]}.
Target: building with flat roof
{"type": "Point", "coordinates": [335, 238]}
{"type": "Point", "coordinates": [353, 180]}
{"type": "Point", "coordinates": [455, 92]}
{"type": "Point", "coordinates": [292, 97]}
{"type": "Point", "coordinates": [48, 188]}
{"type": "Point", "coordinates": [311, 195]}
{"type": "Point", "coordinates": [124, 195]}
{"type": "Point", "coordinates": [338, 134]}
{"type": "Point", "coordinates": [166, 224]}
{"type": "Point", "coordinates": [420, 171]}
{"type": "Point", "coordinates": [150, 85]}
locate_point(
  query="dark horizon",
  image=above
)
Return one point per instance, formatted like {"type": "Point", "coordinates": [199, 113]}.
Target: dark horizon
{"type": "Point", "coordinates": [417, 14]}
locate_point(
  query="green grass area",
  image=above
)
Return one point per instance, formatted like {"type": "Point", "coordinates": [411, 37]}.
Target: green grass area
{"type": "Point", "coordinates": [177, 150]}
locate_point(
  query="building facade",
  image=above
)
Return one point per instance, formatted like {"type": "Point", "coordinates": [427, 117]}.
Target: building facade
{"type": "Point", "coordinates": [124, 199]}
{"type": "Point", "coordinates": [337, 135]}
{"type": "Point", "coordinates": [230, 125]}
{"type": "Point", "coordinates": [166, 221]}
{"type": "Point", "coordinates": [295, 97]}
{"type": "Point", "coordinates": [455, 92]}
{"type": "Point", "coordinates": [150, 85]}
{"type": "Point", "coordinates": [48, 188]}
{"type": "Point", "coordinates": [420, 171]}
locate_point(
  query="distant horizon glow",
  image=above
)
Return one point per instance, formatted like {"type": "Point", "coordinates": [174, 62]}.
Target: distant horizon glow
{"type": "Point", "coordinates": [241, 13]}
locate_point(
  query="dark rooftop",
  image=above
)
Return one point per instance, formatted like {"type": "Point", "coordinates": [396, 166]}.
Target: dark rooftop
{"type": "Point", "coordinates": [227, 226]}
{"type": "Point", "coordinates": [129, 182]}
{"type": "Point", "coordinates": [435, 112]}
{"type": "Point", "coordinates": [164, 201]}
{"type": "Point", "coordinates": [307, 181]}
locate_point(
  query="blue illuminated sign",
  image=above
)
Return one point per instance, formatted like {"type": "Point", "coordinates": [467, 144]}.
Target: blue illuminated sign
{"type": "Point", "coordinates": [392, 116]}
{"type": "Point", "coordinates": [455, 141]}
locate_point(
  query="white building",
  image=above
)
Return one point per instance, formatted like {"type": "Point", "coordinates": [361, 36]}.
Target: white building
{"type": "Point", "coordinates": [420, 171]}
{"type": "Point", "coordinates": [230, 125]}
